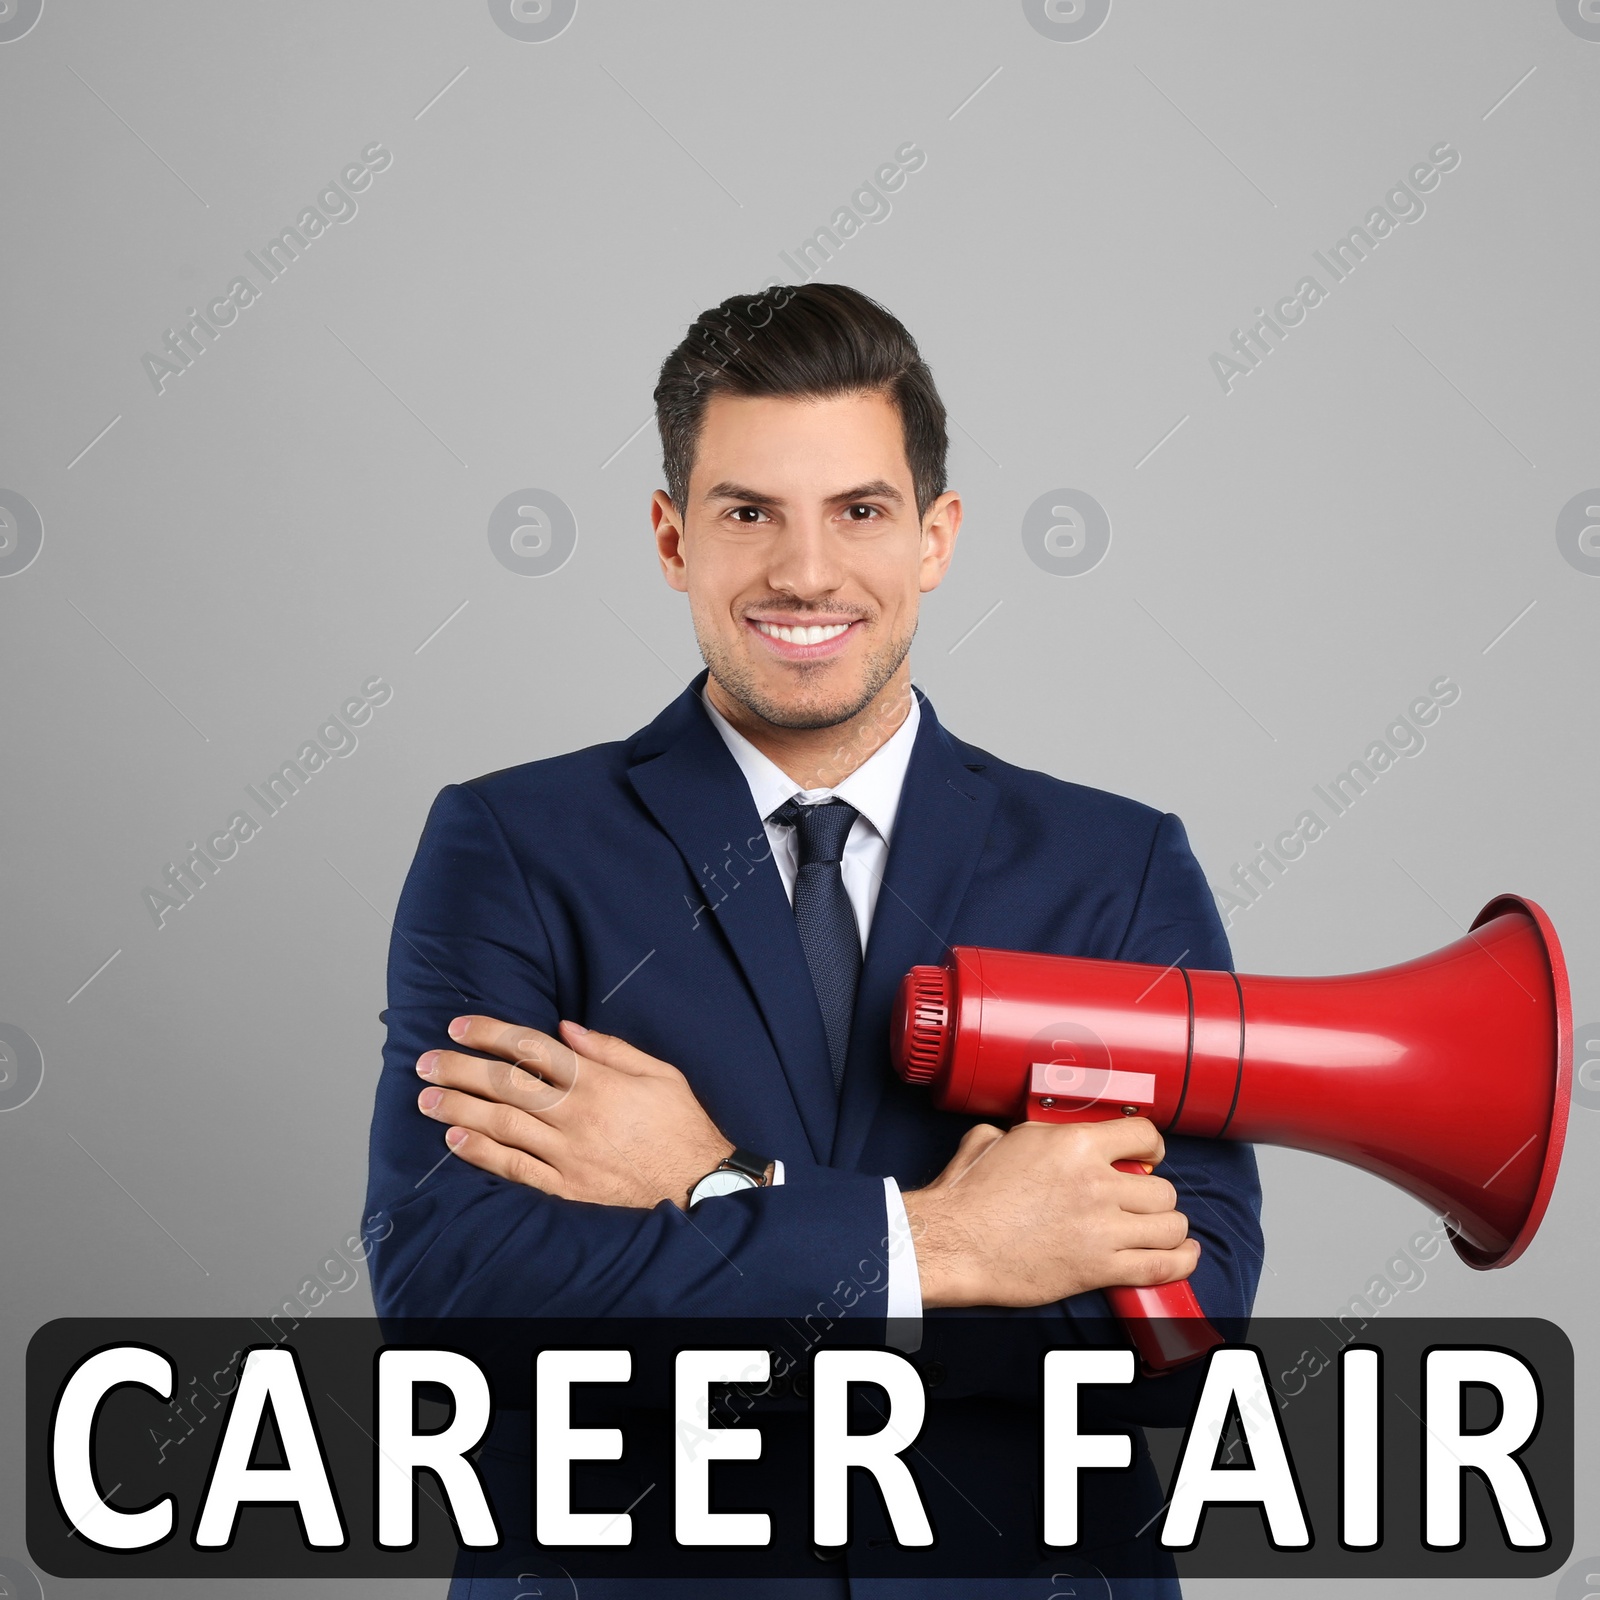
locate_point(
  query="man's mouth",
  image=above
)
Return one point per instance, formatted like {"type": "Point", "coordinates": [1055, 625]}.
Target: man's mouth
{"type": "Point", "coordinates": [813, 633]}
{"type": "Point", "coordinates": [803, 641]}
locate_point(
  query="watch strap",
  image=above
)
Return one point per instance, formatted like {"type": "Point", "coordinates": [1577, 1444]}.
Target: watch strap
{"type": "Point", "coordinates": [751, 1165]}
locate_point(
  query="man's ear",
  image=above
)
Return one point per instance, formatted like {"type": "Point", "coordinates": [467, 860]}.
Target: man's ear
{"type": "Point", "coordinates": [939, 529]}
{"type": "Point", "coordinates": [668, 526]}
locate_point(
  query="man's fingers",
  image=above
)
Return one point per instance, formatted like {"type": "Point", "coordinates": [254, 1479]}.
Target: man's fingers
{"type": "Point", "coordinates": [504, 1081]}
{"type": "Point", "coordinates": [1165, 1230]}
{"type": "Point", "coordinates": [504, 1124]}
{"type": "Point", "coordinates": [1143, 1269]}
{"type": "Point", "coordinates": [1146, 1195]}
{"type": "Point", "coordinates": [609, 1050]}
{"type": "Point", "coordinates": [477, 1150]}
{"type": "Point", "coordinates": [531, 1050]}
{"type": "Point", "coordinates": [1129, 1139]}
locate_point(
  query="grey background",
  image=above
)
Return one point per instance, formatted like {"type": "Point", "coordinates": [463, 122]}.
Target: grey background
{"type": "Point", "coordinates": [308, 504]}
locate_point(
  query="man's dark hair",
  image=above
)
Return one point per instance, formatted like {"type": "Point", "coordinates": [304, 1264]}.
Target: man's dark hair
{"type": "Point", "coordinates": [808, 342]}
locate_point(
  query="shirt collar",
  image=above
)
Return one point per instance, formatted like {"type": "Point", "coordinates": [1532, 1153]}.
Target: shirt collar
{"type": "Point", "coordinates": [873, 788]}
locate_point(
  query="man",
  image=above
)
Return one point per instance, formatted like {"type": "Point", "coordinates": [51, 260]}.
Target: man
{"type": "Point", "coordinates": [734, 894]}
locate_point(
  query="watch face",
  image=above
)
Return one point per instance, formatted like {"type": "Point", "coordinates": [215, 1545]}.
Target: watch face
{"type": "Point", "coordinates": [720, 1182]}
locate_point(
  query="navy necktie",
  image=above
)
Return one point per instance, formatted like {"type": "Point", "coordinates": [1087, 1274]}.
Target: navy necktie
{"type": "Point", "coordinates": [828, 931]}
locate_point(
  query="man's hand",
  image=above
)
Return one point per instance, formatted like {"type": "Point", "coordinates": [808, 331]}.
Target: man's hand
{"type": "Point", "coordinates": [1031, 1216]}
{"type": "Point", "coordinates": [590, 1118]}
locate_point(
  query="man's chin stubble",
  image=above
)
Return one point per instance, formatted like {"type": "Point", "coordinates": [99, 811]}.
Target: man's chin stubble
{"type": "Point", "coordinates": [736, 680]}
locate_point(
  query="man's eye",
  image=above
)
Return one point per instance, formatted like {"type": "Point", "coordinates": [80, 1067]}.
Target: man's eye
{"type": "Point", "coordinates": [862, 513]}
{"type": "Point", "coordinates": [746, 514]}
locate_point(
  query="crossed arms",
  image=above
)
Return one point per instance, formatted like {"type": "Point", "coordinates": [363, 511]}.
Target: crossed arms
{"type": "Point", "coordinates": [1022, 1218]}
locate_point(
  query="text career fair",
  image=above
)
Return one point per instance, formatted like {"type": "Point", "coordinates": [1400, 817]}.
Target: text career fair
{"type": "Point", "coordinates": [272, 1392]}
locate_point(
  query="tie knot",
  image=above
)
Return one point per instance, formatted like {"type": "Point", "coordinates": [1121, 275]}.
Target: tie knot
{"type": "Point", "coordinates": [820, 830]}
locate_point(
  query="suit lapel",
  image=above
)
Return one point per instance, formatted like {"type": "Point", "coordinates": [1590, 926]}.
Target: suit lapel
{"type": "Point", "coordinates": [939, 834]}
{"type": "Point", "coordinates": [693, 788]}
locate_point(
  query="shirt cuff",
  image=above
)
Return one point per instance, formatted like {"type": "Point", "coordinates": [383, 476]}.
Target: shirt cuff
{"type": "Point", "coordinates": [777, 1174]}
{"type": "Point", "coordinates": [903, 1310]}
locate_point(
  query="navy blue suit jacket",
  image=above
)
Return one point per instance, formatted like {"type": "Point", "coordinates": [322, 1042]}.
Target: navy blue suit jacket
{"type": "Point", "coordinates": [629, 886]}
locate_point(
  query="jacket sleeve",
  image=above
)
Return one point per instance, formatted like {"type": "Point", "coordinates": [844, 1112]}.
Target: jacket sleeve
{"type": "Point", "coordinates": [1175, 922]}
{"type": "Point", "coordinates": [454, 1241]}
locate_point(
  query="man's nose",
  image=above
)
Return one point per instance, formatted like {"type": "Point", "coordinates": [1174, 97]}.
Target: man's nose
{"type": "Point", "coordinates": [806, 560]}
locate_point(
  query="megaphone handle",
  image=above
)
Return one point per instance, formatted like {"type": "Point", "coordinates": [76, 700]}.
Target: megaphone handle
{"type": "Point", "coordinates": [1165, 1323]}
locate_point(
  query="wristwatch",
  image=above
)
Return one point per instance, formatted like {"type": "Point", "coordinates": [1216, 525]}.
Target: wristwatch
{"type": "Point", "coordinates": [740, 1170]}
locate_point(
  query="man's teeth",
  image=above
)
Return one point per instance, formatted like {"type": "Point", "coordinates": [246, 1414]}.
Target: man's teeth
{"type": "Point", "coordinates": [815, 634]}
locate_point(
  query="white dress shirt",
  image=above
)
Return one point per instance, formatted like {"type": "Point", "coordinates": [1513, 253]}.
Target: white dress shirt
{"type": "Point", "coordinates": [874, 790]}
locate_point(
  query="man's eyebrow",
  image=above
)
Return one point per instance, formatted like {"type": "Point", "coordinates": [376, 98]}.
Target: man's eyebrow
{"type": "Point", "coordinates": [728, 490]}
{"type": "Point", "coordinates": [878, 489]}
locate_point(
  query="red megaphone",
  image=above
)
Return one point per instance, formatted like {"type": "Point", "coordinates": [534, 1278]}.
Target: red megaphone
{"type": "Point", "coordinates": [1449, 1075]}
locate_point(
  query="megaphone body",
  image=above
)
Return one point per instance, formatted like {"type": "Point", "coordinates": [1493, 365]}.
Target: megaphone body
{"type": "Point", "coordinates": [1448, 1075]}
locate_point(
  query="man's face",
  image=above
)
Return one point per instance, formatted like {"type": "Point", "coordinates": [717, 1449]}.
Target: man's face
{"type": "Point", "coordinates": [802, 553]}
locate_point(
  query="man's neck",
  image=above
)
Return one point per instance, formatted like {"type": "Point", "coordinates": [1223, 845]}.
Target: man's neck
{"type": "Point", "coordinates": [822, 758]}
